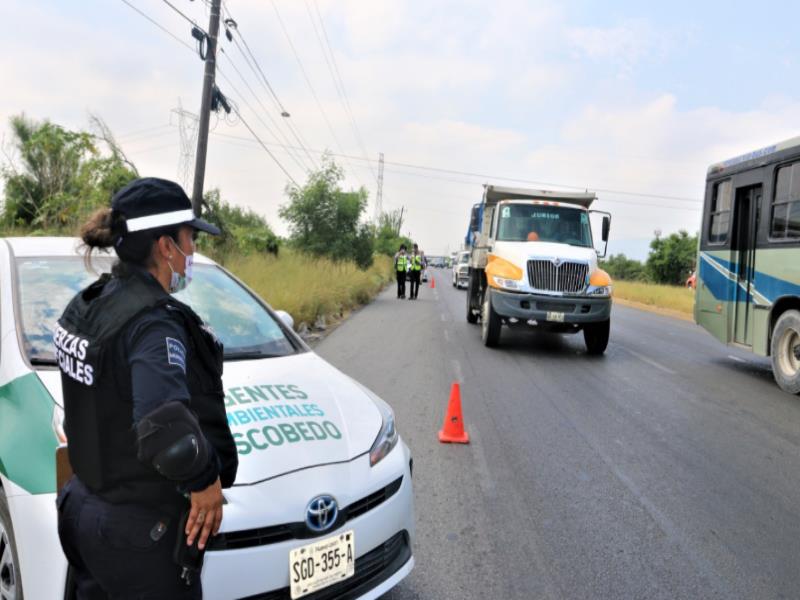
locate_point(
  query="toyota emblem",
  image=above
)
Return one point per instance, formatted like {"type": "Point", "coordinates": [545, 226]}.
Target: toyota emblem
{"type": "Point", "coordinates": [321, 513]}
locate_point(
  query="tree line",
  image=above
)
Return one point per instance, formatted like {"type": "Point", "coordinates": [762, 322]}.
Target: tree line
{"type": "Point", "coordinates": [55, 177]}
{"type": "Point", "coordinates": [671, 260]}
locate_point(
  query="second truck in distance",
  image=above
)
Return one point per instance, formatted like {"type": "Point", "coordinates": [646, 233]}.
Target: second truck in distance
{"type": "Point", "coordinates": [533, 263]}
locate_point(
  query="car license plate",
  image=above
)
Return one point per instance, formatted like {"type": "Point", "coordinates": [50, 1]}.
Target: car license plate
{"type": "Point", "coordinates": [321, 563]}
{"type": "Point", "coordinates": [556, 317]}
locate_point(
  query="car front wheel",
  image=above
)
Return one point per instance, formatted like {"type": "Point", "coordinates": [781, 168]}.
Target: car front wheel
{"type": "Point", "coordinates": [10, 580]}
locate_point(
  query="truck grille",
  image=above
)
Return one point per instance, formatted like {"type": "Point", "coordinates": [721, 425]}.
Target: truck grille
{"type": "Point", "coordinates": [568, 277]}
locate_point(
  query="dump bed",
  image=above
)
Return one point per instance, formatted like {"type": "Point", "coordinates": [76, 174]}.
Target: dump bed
{"type": "Point", "coordinates": [492, 194]}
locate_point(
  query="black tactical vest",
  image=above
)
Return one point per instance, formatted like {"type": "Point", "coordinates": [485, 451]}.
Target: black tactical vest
{"type": "Point", "coordinates": [96, 383]}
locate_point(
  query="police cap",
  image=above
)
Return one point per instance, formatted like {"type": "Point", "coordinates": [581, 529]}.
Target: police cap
{"type": "Point", "coordinates": [151, 203]}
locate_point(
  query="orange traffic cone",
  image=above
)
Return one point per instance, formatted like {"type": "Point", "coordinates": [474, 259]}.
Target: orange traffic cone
{"type": "Point", "coordinates": [433, 282]}
{"type": "Point", "coordinates": [453, 427]}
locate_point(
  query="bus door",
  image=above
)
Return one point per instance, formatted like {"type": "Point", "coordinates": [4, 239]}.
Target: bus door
{"type": "Point", "coordinates": [743, 256]}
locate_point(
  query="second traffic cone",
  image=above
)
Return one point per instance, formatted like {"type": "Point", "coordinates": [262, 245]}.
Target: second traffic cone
{"type": "Point", "coordinates": [433, 282]}
{"type": "Point", "coordinates": [453, 428]}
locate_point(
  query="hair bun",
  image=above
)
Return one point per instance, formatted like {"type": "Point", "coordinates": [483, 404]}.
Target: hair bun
{"type": "Point", "coordinates": [98, 231]}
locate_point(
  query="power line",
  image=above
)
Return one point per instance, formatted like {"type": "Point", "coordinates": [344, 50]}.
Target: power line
{"type": "Point", "coordinates": [486, 176]}
{"type": "Point", "coordinates": [294, 157]}
{"type": "Point", "coordinates": [467, 182]}
{"type": "Point", "coordinates": [255, 66]}
{"type": "Point", "coordinates": [410, 165]}
{"type": "Point", "coordinates": [311, 87]}
{"type": "Point", "coordinates": [265, 109]}
{"type": "Point", "coordinates": [189, 19]}
{"type": "Point", "coordinates": [544, 183]}
{"type": "Point", "coordinates": [336, 75]}
{"type": "Point", "coordinates": [497, 177]}
{"type": "Point", "coordinates": [264, 146]}
{"type": "Point", "coordinates": [159, 25]}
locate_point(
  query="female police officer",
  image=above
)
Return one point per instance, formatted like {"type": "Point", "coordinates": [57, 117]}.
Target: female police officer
{"type": "Point", "coordinates": [143, 402]}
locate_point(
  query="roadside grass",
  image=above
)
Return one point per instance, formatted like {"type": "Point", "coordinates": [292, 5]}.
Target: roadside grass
{"type": "Point", "coordinates": [670, 297]}
{"type": "Point", "coordinates": [309, 287]}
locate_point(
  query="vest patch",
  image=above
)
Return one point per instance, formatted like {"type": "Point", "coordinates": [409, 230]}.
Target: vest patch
{"type": "Point", "coordinates": [71, 355]}
{"type": "Point", "coordinates": [176, 353]}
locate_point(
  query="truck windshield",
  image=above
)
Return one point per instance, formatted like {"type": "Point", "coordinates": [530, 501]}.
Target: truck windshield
{"type": "Point", "coordinates": [544, 223]}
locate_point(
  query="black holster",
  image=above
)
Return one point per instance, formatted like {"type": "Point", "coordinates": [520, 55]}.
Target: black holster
{"type": "Point", "coordinates": [189, 558]}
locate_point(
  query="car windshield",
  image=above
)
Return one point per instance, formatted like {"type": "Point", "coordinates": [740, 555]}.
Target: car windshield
{"type": "Point", "coordinates": [46, 285]}
{"type": "Point", "coordinates": [464, 258]}
{"type": "Point", "coordinates": [544, 223]}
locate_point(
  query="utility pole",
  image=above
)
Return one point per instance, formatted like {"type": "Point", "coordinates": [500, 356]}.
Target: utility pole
{"type": "Point", "coordinates": [205, 107]}
{"type": "Point", "coordinates": [400, 221]}
{"type": "Point", "coordinates": [379, 196]}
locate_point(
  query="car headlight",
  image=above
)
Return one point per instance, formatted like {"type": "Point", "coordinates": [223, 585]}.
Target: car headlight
{"type": "Point", "coordinates": [599, 290]}
{"type": "Point", "coordinates": [387, 436]}
{"type": "Point", "coordinates": [510, 284]}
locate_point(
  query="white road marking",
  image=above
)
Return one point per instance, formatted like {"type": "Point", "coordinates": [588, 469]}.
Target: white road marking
{"type": "Point", "coordinates": [481, 465]}
{"type": "Point", "coordinates": [649, 361]}
{"type": "Point", "coordinates": [446, 335]}
{"type": "Point", "coordinates": [443, 317]}
{"type": "Point", "coordinates": [457, 370]}
{"type": "Point", "coordinates": [736, 358]}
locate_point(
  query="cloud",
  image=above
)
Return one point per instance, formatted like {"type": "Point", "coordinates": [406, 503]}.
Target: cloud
{"type": "Point", "coordinates": [625, 45]}
{"type": "Point", "coordinates": [656, 147]}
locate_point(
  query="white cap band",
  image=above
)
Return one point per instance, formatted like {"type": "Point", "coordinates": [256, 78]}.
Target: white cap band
{"type": "Point", "coordinates": [160, 220]}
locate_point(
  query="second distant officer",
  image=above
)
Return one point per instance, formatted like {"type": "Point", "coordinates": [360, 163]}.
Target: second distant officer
{"type": "Point", "coordinates": [400, 268]}
{"type": "Point", "coordinates": [415, 270]}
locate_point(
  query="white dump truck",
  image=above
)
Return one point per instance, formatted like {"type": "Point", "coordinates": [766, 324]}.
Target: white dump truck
{"type": "Point", "coordinates": [533, 263]}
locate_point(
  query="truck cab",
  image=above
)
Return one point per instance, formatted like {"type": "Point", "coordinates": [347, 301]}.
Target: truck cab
{"type": "Point", "coordinates": [533, 263]}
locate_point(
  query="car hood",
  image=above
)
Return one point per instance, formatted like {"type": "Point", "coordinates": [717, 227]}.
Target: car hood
{"type": "Point", "coordinates": [287, 414]}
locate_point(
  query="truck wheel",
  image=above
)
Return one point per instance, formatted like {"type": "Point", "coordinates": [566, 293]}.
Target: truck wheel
{"type": "Point", "coordinates": [785, 350]}
{"type": "Point", "coordinates": [490, 322]}
{"type": "Point", "coordinates": [596, 337]}
{"type": "Point", "coordinates": [10, 579]}
{"type": "Point", "coordinates": [471, 292]}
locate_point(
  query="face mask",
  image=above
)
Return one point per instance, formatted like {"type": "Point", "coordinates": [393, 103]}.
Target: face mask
{"type": "Point", "coordinates": [178, 282]}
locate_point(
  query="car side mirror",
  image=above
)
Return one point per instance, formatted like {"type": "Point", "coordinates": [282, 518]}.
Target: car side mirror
{"type": "Point", "coordinates": [286, 318]}
{"type": "Point", "coordinates": [606, 228]}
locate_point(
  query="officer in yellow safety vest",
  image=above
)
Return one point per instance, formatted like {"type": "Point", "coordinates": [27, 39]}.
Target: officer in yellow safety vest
{"type": "Point", "coordinates": [400, 268]}
{"type": "Point", "coordinates": [415, 270]}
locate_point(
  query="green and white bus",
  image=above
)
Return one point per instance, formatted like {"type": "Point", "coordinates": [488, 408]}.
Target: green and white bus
{"type": "Point", "coordinates": [748, 275]}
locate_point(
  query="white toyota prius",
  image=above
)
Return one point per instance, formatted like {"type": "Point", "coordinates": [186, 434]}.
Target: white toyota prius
{"type": "Point", "coordinates": [322, 505]}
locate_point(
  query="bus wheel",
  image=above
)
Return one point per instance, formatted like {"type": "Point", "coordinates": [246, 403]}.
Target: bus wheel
{"type": "Point", "coordinates": [786, 351]}
{"type": "Point", "coordinates": [10, 580]}
{"type": "Point", "coordinates": [595, 335]}
{"type": "Point", "coordinates": [490, 322]}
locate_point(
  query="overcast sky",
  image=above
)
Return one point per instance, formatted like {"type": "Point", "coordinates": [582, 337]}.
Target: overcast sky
{"type": "Point", "coordinates": [636, 97]}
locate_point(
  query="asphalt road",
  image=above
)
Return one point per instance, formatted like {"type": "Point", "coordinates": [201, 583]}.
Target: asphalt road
{"type": "Point", "coordinates": [667, 468]}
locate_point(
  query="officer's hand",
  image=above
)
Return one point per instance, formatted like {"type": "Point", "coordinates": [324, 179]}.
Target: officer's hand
{"type": "Point", "coordinates": [205, 516]}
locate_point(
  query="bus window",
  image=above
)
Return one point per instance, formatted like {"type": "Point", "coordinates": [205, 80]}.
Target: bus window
{"type": "Point", "coordinates": [720, 213]}
{"type": "Point", "coordinates": [785, 222]}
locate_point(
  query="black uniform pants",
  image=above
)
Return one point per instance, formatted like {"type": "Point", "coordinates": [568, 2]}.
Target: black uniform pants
{"type": "Point", "coordinates": [401, 284]}
{"type": "Point", "coordinates": [415, 275]}
{"type": "Point", "coordinates": [119, 551]}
